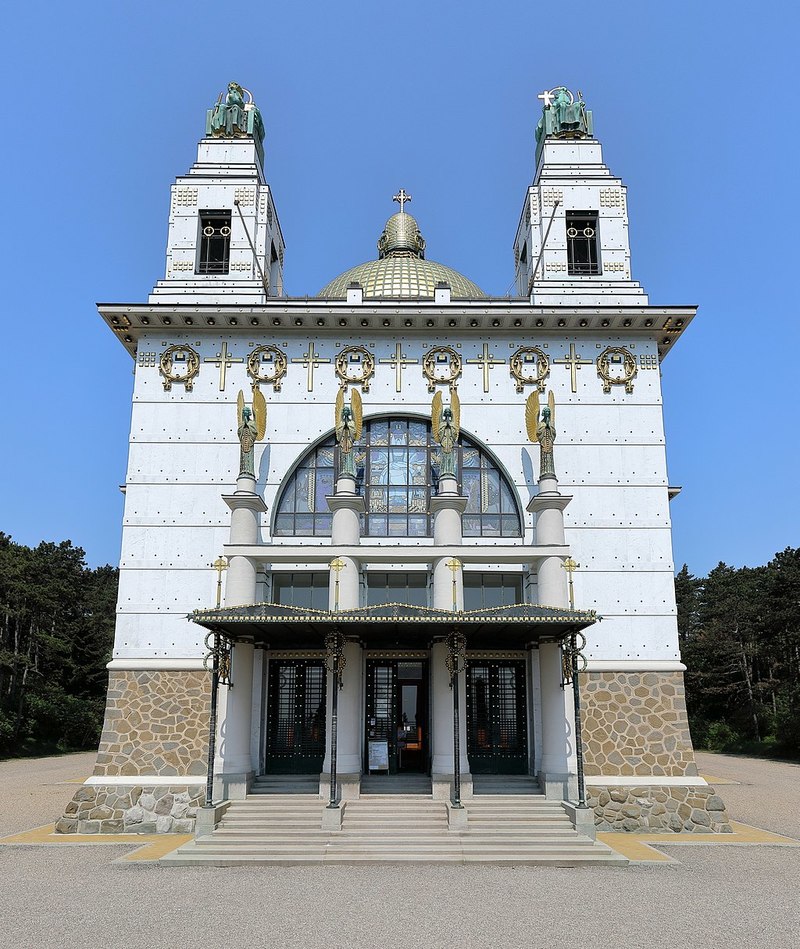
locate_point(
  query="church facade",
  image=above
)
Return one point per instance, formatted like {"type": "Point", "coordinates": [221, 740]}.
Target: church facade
{"type": "Point", "coordinates": [401, 532]}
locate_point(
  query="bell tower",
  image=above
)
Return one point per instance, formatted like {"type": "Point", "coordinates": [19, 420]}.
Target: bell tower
{"type": "Point", "coordinates": [572, 245]}
{"type": "Point", "coordinates": [224, 243]}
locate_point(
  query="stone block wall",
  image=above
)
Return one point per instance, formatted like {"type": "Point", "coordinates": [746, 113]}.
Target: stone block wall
{"type": "Point", "coordinates": [156, 724]}
{"type": "Point", "coordinates": [658, 809]}
{"type": "Point", "coordinates": [636, 723]}
{"type": "Point", "coordinates": [132, 809]}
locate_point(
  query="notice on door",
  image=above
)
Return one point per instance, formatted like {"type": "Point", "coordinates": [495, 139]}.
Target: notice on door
{"type": "Point", "coordinates": [378, 755]}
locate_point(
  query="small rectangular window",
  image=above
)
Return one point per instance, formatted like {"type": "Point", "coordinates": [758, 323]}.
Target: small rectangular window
{"type": "Point", "coordinates": [583, 254]}
{"type": "Point", "coordinates": [490, 590]}
{"type": "Point", "coordinates": [304, 590]}
{"type": "Point", "coordinates": [215, 242]}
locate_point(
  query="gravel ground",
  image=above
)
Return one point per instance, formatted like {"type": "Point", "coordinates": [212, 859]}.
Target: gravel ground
{"type": "Point", "coordinates": [64, 895]}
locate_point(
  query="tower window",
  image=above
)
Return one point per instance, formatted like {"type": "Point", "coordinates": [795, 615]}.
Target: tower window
{"type": "Point", "coordinates": [215, 242]}
{"type": "Point", "coordinates": [583, 256]}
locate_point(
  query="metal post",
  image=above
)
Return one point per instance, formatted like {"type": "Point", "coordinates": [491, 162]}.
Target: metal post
{"type": "Point", "coordinates": [573, 663]}
{"type": "Point", "coordinates": [456, 663]}
{"type": "Point", "coordinates": [334, 662]}
{"type": "Point", "coordinates": [576, 695]}
{"type": "Point", "coordinates": [212, 722]}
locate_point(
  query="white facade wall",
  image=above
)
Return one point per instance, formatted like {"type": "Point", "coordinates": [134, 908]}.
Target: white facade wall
{"type": "Point", "coordinates": [184, 456]}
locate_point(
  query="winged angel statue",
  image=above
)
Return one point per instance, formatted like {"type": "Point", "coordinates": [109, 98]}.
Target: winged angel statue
{"type": "Point", "coordinates": [541, 429]}
{"type": "Point", "coordinates": [252, 426]}
{"type": "Point", "coordinates": [348, 430]}
{"type": "Point", "coordinates": [446, 424]}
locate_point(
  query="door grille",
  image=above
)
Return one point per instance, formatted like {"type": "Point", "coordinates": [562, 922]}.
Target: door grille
{"type": "Point", "coordinates": [296, 717]}
{"type": "Point", "coordinates": [497, 717]}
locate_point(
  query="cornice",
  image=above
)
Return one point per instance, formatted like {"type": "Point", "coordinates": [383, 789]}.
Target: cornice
{"type": "Point", "coordinates": [299, 316]}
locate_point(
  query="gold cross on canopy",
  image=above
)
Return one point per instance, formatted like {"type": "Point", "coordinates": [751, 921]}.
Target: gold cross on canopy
{"type": "Point", "coordinates": [401, 197]}
{"type": "Point", "coordinates": [220, 564]}
{"type": "Point", "coordinates": [455, 566]}
{"type": "Point", "coordinates": [311, 360]}
{"type": "Point", "coordinates": [574, 362]}
{"type": "Point", "coordinates": [224, 360]}
{"type": "Point", "coordinates": [337, 565]}
{"type": "Point", "coordinates": [398, 362]}
{"type": "Point", "coordinates": [570, 566]}
{"type": "Point", "coordinates": [488, 362]}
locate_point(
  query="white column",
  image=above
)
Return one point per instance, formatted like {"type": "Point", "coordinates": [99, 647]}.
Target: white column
{"type": "Point", "coordinates": [347, 506]}
{"type": "Point", "coordinates": [558, 770]}
{"type": "Point", "coordinates": [447, 507]}
{"type": "Point", "coordinates": [235, 723]}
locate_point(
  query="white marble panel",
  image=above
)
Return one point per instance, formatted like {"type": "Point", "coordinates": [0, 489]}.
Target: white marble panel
{"type": "Point", "coordinates": [140, 635]}
{"type": "Point", "coordinates": [622, 549]}
{"type": "Point", "coordinates": [166, 547]}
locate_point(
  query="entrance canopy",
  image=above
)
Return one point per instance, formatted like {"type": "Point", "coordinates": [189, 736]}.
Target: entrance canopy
{"type": "Point", "coordinates": [393, 625]}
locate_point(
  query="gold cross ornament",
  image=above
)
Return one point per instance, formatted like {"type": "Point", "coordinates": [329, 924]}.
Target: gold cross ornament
{"type": "Point", "coordinates": [455, 566]}
{"type": "Point", "coordinates": [224, 360]}
{"type": "Point", "coordinates": [311, 360]}
{"type": "Point", "coordinates": [487, 360]}
{"type": "Point", "coordinates": [570, 566]}
{"type": "Point", "coordinates": [574, 362]}
{"type": "Point", "coordinates": [398, 362]}
{"type": "Point", "coordinates": [337, 565]}
{"type": "Point", "coordinates": [220, 565]}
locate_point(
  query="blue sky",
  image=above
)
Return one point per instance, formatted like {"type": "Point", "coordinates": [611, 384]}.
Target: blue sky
{"type": "Point", "coordinates": [694, 103]}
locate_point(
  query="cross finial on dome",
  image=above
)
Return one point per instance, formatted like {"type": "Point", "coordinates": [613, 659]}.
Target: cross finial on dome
{"type": "Point", "coordinates": [401, 197]}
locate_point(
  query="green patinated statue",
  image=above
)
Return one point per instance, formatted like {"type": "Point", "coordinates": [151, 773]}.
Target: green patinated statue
{"type": "Point", "coordinates": [563, 116]}
{"type": "Point", "coordinates": [235, 118]}
{"type": "Point", "coordinates": [541, 430]}
{"type": "Point", "coordinates": [251, 429]}
{"type": "Point", "coordinates": [446, 427]}
{"type": "Point", "coordinates": [348, 420]}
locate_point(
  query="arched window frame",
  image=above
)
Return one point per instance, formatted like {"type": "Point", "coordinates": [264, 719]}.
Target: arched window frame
{"type": "Point", "coordinates": [372, 525]}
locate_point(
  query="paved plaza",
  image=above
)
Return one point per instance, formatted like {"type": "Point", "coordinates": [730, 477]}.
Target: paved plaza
{"type": "Point", "coordinates": [74, 894]}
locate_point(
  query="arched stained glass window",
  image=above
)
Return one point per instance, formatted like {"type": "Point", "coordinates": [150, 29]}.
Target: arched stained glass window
{"type": "Point", "coordinates": [397, 469]}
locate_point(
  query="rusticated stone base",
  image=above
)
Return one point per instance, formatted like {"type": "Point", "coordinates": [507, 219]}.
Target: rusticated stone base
{"type": "Point", "coordinates": [132, 809]}
{"type": "Point", "coordinates": [156, 722]}
{"type": "Point", "coordinates": [635, 722]}
{"type": "Point", "coordinates": [658, 809]}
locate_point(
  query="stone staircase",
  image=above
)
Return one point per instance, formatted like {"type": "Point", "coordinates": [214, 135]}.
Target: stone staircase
{"type": "Point", "coordinates": [269, 827]}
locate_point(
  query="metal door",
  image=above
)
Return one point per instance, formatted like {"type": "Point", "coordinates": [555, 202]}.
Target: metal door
{"type": "Point", "coordinates": [497, 716]}
{"type": "Point", "coordinates": [296, 716]}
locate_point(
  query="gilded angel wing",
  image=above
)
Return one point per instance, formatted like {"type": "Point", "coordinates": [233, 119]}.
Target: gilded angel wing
{"type": "Point", "coordinates": [455, 406]}
{"type": "Point", "coordinates": [551, 401]}
{"type": "Point", "coordinates": [338, 413]}
{"type": "Point", "coordinates": [239, 407]}
{"type": "Point", "coordinates": [436, 414]}
{"type": "Point", "coordinates": [532, 415]}
{"type": "Point", "coordinates": [260, 413]}
{"type": "Point", "coordinates": [358, 413]}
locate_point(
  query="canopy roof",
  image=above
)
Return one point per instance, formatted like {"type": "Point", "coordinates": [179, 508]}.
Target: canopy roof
{"type": "Point", "coordinates": [393, 625]}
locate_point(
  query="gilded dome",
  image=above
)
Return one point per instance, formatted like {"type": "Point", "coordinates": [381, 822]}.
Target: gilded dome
{"type": "Point", "coordinates": [401, 269]}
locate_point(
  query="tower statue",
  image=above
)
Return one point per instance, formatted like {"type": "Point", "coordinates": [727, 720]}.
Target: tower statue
{"type": "Point", "coordinates": [541, 430]}
{"type": "Point", "coordinates": [251, 429]}
{"type": "Point", "coordinates": [563, 116]}
{"type": "Point", "coordinates": [235, 118]}
{"type": "Point", "coordinates": [446, 424]}
{"type": "Point", "coordinates": [348, 430]}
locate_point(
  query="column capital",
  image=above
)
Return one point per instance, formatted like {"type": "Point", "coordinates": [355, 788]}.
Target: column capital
{"type": "Point", "coordinates": [250, 502]}
{"type": "Point", "coordinates": [548, 501]}
{"type": "Point", "coordinates": [346, 502]}
{"type": "Point", "coordinates": [448, 502]}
